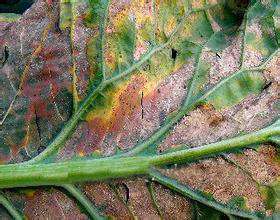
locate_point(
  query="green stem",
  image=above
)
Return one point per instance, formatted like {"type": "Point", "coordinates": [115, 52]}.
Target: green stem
{"type": "Point", "coordinates": [227, 145]}
{"type": "Point", "coordinates": [70, 172]}
{"type": "Point", "coordinates": [154, 22]}
{"type": "Point", "coordinates": [103, 38]}
{"type": "Point", "coordinates": [10, 208]}
{"type": "Point", "coordinates": [243, 43]}
{"type": "Point", "coordinates": [78, 195]}
{"type": "Point", "coordinates": [60, 173]}
{"type": "Point", "coordinates": [195, 195]}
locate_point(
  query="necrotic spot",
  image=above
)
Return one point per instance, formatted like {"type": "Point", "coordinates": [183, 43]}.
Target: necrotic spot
{"type": "Point", "coordinates": [174, 53]}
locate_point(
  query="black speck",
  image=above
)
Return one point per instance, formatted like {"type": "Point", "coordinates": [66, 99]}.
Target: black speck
{"type": "Point", "coordinates": [41, 149]}
{"type": "Point", "coordinates": [266, 86]}
{"type": "Point", "coordinates": [174, 54]}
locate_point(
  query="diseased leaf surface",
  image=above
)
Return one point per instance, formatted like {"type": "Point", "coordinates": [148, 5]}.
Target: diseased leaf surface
{"type": "Point", "coordinates": [190, 72]}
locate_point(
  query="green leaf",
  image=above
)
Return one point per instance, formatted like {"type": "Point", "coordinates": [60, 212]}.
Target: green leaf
{"type": "Point", "coordinates": [237, 203]}
{"type": "Point", "coordinates": [271, 193]}
{"type": "Point", "coordinates": [276, 23]}
{"type": "Point", "coordinates": [123, 45]}
{"type": "Point", "coordinates": [275, 140]}
{"type": "Point", "coordinates": [263, 38]}
{"type": "Point", "coordinates": [96, 13]}
{"type": "Point", "coordinates": [234, 89]}
{"type": "Point", "coordinates": [199, 78]}
{"type": "Point", "coordinates": [65, 20]}
{"type": "Point", "coordinates": [218, 41]}
{"type": "Point", "coordinates": [186, 50]}
{"type": "Point", "coordinates": [97, 18]}
{"type": "Point", "coordinates": [203, 212]}
{"type": "Point", "coordinates": [225, 16]}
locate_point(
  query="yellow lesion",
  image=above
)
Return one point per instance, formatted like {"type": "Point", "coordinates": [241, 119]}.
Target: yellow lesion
{"type": "Point", "coordinates": [169, 26]}
{"type": "Point", "coordinates": [142, 11]}
{"type": "Point", "coordinates": [161, 64]}
{"type": "Point", "coordinates": [65, 20]}
{"type": "Point", "coordinates": [74, 85]}
{"type": "Point", "coordinates": [258, 46]}
{"type": "Point", "coordinates": [29, 192]}
{"type": "Point", "coordinates": [81, 153]}
{"type": "Point", "coordinates": [111, 98]}
{"type": "Point", "coordinates": [188, 28]}
{"type": "Point", "coordinates": [68, 18]}
{"type": "Point", "coordinates": [198, 3]}
{"type": "Point", "coordinates": [114, 55]}
{"type": "Point", "coordinates": [107, 111]}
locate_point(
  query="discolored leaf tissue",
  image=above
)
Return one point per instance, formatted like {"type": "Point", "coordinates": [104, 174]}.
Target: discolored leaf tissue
{"type": "Point", "coordinates": [135, 109]}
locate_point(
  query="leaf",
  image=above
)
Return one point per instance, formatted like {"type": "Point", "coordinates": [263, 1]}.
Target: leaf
{"type": "Point", "coordinates": [198, 80]}
{"type": "Point", "coordinates": [265, 42]}
{"type": "Point", "coordinates": [275, 140]}
{"type": "Point", "coordinates": [104, 77]}
{"type": "Point", "coordinates": [203, 212]}
{"type": "Point", "coordinates": [235, 89]}
{"type": "Point", "coordinates": [9, 17]}
{"type": "Point", "coordinates": [209, 206]}
{"type": "Point", "coordinates": [97, 19]}
{"type": "Point", "coordinates": [272, 195]}
{"type": "Point", "coordinates": [218, 42]}
{"type": "Point", "coordinates": [123, 45]}
{"type": "Point", "coordinates": [38, 102]}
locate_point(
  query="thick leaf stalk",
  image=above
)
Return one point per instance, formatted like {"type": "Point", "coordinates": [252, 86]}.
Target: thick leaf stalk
{"type": "Point", "coordinates": [112, 167]}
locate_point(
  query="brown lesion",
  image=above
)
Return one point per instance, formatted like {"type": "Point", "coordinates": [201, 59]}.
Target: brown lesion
{"type": "Point", "coordinates": [214, 117]}
{"type": "Point", "coordinates": [103, 197]}
{"type": "Point", "coordinates": [221, 179]}
{"type": "Point", "coordinates": [50, 203]}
